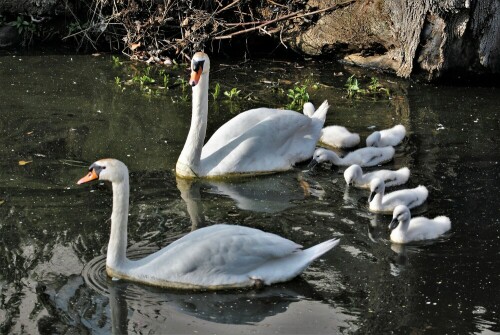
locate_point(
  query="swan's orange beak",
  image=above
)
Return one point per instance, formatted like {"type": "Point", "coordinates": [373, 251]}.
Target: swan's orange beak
{"type": "Point", "coordinates": [195, 76]}
{"type": "Point", "coordinates": [92, 175]}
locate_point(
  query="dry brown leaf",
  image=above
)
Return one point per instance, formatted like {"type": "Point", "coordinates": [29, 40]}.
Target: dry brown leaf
{"type": "Point", "coordinates": [24, 162]}
{"type": "Point", "coordinates": [134, 46]}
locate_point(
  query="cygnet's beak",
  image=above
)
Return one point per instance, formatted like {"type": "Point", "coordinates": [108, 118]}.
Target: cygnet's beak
{"type": "Point", "coordinates": [394, 223]}
{"type": "Point", "coordinates": [372, 195]}
{"type": "Point", "coordinates": [312, 164]}
{"type": "Point", "coordinates": [92, 175]}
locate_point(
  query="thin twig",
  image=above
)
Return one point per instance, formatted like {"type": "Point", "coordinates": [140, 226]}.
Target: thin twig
{"type": "Point", "coordinates": [285, 17]}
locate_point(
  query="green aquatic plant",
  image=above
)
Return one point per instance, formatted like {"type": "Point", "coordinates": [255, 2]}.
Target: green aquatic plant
{"type": "Point", "coordinates": [233, 93]}
{"type": "Point", "coordinates": [216, 92]}
{"type": "Point", "coordinates": [184, 87]}
{"type": "Point", "coordinates": [116, 61]}
{"type": "Point", "coordinates": [352, 87]}
{"type": "Point", "coordinates": [144, 78]}
{"type": "Point", "coordinates": [298, 96]}
{"type": "Point", "coordinates": [376, 88]}
{"type": "Point", "coordinates": [23, 26]}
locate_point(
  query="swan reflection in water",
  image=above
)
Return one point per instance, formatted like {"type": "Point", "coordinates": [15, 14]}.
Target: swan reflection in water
{"type": "Point", "coordinates": [268, 194]}
{"type": "Point", "coordinates": [104, 306]}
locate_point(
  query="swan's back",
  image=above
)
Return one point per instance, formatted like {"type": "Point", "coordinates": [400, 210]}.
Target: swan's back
{"type": "Point", "coordinates": [338, 137]}
{"type": "Point", "coordinates": [369, 156]}
{"type": "Point", "coordinates": [390, 177]}
{"type": "Point", "coordinates": [227, 256]}
{"type": "Point", "coordinates": [262, 140]}
{"type": "Point", "coordinates": [387, 137]}
{"type": "Point", "coordinates": [422, 228]}
{"type": "Point", "coordinates": [412, 197]}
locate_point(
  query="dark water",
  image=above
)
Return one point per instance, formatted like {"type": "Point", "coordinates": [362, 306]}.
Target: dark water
{"type": "Point", "coordinates": [61, 113]}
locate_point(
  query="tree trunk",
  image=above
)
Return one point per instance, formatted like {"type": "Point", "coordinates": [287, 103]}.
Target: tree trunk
{"type": "Point", "coordinates": [405, 36]}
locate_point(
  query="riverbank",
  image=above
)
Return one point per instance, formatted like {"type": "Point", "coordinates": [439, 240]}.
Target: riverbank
{"type": "Point", "coordinates": [434, 40]}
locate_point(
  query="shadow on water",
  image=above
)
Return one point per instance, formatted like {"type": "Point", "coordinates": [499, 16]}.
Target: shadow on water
{"type": "Point", "coordinates": [61, 113]}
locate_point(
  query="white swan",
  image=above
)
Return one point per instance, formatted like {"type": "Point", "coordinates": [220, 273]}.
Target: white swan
{"type": "Point", "coordinates": [338, 137]}
{"type": "Point", "coordinates": [261, 140]}
{"type": "Point", "coordinates": [387, 137]}
{"type": "Point", "coordinates": [354, 176]}
{"type": "Point", "coordinates": [333, 136]}
{"type": "Point", "coordinates": [363, 157]}
{"type": "Point", "coordinates": [380, 202]}
{"type": "Point", "coordinates": [405, 229]}
{"type": "Point", "coordinates": [216, 257]}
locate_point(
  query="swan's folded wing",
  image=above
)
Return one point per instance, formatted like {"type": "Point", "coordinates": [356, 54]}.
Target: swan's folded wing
{"type": "Point", "coordinates": [226, 250]}
{"type": "Point", "coordinates": [282, 123]}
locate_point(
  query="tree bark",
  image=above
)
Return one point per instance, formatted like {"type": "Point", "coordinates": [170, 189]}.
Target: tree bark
{"type": "Point", "coordinates": [405, 36]}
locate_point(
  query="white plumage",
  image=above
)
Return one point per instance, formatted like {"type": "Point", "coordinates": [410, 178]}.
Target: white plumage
{"type": "Point", "coordinates": [333, 136]}
{"type": "Point", "coordinates": [215, 257]}
{"type": "Point", "coordinates": [338, 137]}
{"type": "Point", "coordinates": [387, 137]}
{"type": "Point", "coordinates": [354, 176]}
{"type": "Point", "coordinates": [381, 202]}
{"type": "Point", "coordinates": [405, 229]}
{"type": "Point", "coordinates": [261, 140]}
{"type": "Point", "coordinates": [363, 157]}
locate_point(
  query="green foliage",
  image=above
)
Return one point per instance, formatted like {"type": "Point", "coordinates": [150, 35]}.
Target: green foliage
{"type": "Point", "coordinates": [374, 88]}
{"type": "Point", "coordinates": [233, 93]}
{"type": "Point", "coordinates": [298, 96]}
{"type": "Point", "coordinates": [23, 26]}
{"type": "Point", "coordinates": [184, 86]}
{"type": "Point", "coordinates": [352, 87]}
{"type": "Point", "coordinates": [216, 92]}
{"type": "Point", "coordinates": [116, 61]}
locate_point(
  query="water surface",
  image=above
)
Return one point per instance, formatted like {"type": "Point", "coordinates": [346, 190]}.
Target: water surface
{"type": "Point", "coordinates": [61, 113]}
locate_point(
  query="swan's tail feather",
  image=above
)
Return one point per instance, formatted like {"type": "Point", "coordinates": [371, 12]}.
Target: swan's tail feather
{"type": "Point", "coordinates": [405, 173]}
{"type": "Point", "coordinates": [320, 249]}
{"type": "Point", "coordinates": [320, 113]}
{"type": "Point", "coordinates": [443, 221]}
{"type": "Point", "coordinates": [424, 193]}
{"type": "Point", "coordinates": [308, 109]}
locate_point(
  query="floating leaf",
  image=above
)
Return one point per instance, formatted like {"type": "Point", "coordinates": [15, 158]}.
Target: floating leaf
{"type": "Point", "coordinates": [1, 201]}
{"type": "Point", "coordinates": [24, 162]}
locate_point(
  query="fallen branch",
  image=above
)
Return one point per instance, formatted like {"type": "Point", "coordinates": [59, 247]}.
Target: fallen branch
{"type": "Point", "coordinates": [294, 15]}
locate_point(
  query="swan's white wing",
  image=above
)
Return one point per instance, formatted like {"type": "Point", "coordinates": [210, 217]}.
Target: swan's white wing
{"type": "Point", "coordinates": [369, 156]}
{"type": "Point", "coordinates": [410, 197]}
{"type": "Point", "coordinates": [260, 139]}
{"type": "Point", "coordinates": [422, 228]}
{"type": "Point", "coordinates": [216, 255]}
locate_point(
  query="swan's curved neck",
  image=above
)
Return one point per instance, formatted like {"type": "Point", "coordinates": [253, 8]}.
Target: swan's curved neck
{"type": "Point", "coordinates": [377, 200]}
{"type": "Point", "coordinates": [403, 225]}
{"type": "Point", "coordinates": [117, 246]}
{"type": "Point", "coordinates": [334, 158]}
{"type": "Point", "coordinates": [188, 164]}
